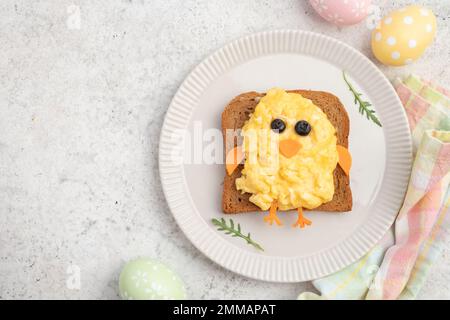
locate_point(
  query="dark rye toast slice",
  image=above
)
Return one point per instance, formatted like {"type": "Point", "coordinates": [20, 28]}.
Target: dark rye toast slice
{"type": "Point", "coordinates": [234, 117]}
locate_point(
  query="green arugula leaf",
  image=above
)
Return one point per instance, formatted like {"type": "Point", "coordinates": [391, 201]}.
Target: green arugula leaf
{"type": "Point", "coordinates": [364, 106]}
{"type": "Point", "coordinates": [229, 229]}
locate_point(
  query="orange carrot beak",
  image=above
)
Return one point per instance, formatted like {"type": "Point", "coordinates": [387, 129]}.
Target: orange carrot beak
{"type": "Point", "coordinates": [289, 147]}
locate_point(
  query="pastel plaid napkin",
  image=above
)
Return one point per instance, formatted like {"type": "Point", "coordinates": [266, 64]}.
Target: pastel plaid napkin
{"type": "Point", "coordinates": [397, 269]}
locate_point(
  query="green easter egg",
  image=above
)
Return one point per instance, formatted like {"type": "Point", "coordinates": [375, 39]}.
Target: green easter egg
{"type": "Point", "coordinates": [147, 279]}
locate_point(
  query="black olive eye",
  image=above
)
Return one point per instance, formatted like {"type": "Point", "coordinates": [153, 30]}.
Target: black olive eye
{"type": "Point", "coordinates": [302, 128]}
{"type": "Point", "coordinates": [278, 125]}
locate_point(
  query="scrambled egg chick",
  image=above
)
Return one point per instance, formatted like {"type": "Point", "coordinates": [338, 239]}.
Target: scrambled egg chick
{"type": "Point", "coordinates": [290, 154]}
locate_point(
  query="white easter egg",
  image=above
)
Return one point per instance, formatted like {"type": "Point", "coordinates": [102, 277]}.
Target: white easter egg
{"type": "Point", "coordinates": [403, 35]}
{"type": "Point", "coordinates": [342, 12]}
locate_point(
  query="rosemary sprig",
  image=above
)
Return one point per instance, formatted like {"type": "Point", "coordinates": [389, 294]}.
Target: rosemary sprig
{"type": "Point", "coordinates": [364, 106]}
{"type": "Point", "coordinates": [230, 229]}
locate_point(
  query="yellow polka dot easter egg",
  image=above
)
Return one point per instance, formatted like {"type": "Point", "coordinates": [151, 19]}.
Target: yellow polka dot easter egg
{"type": "Point", "coordinates": [403, 35]}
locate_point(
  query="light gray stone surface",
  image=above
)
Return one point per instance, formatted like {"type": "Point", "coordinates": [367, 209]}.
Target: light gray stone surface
{"type": "Point", "coordinates": [81, 108]}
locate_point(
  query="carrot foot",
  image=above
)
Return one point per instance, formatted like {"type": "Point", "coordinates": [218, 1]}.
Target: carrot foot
{"type": "Point", "coordinates": [272, 217]}
{"type": "Point", "coordinates": [301, 220]}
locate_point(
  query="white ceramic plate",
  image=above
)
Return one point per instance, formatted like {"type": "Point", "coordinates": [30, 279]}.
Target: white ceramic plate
{"type": "Point", "coordinates": [381, 156]}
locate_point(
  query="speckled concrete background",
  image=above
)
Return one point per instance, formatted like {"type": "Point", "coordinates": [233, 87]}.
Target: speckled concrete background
{"type": "Point", "coordinates": [81, 107]}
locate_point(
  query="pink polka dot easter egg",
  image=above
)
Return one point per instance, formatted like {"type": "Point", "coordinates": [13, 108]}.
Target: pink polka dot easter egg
{"type": "Point", "coordinates": [342, 12]}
